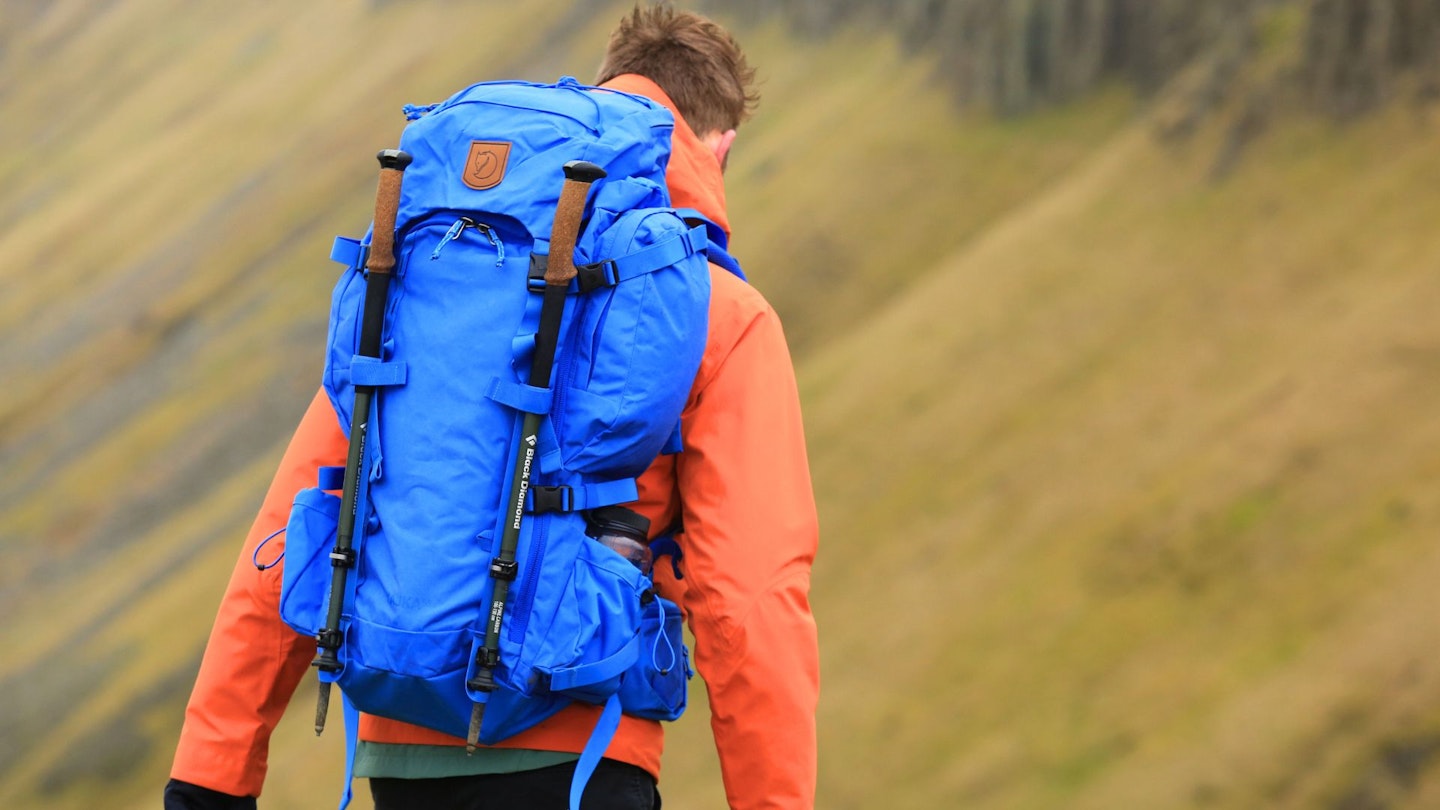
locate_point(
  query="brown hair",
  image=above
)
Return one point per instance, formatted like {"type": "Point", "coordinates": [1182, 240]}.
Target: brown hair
{"type": "Point", "coordinates": [697, 63]}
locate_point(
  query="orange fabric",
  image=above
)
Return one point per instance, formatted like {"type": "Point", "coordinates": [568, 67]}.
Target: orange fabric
{"type": "Point", "coordinates": [253, 660]}
{"type": "Point", "coordinates": [742, 488]}
{"type": "Point", "coordinates": [693, 175]}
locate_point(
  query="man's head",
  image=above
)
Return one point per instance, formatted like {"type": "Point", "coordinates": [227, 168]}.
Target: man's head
{"type": "Point", "coordinates": [697, 63]}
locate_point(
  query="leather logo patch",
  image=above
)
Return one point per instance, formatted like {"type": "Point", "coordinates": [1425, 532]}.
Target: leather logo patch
{"type": "Point", "coordinates": [486, 166]}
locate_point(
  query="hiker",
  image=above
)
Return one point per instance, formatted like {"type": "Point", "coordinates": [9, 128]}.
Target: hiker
{"type": "Point", "coordinates": [741, 489]}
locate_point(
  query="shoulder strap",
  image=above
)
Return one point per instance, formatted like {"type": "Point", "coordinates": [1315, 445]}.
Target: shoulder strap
{"type": "Point", "coordinates": [717, 249]}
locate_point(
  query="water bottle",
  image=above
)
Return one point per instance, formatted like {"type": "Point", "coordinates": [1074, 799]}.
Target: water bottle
{"type": "Point", "coordinates": [625, 531]}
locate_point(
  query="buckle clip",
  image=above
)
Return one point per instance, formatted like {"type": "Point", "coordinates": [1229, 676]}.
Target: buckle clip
{"type": "Point", "coordinates": [552, 499]}
{"type": "Point", "coordinates": [599, 274]}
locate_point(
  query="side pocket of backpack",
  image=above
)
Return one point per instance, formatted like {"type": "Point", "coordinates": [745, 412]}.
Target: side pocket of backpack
{"type": "Point", "coordinates": [309, 536]}
{"type": "Point", "coordinates": [638, 346]}
{"type": "Point", "coordinates": [656, 686]}
{"type": "Point", "coordinates": [593, 637]}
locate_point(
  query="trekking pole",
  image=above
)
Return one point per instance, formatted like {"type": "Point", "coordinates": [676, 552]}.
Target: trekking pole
{"type": "Point", "coordinates": [559, 270]}
{"type": "Point", "coordinates": [378, 267]}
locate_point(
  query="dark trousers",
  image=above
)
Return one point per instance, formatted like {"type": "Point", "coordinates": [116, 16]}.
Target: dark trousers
{"type": "Point", "coordinates": [614, 786]}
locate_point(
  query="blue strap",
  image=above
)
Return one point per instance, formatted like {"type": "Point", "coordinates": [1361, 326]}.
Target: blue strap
{"type": "Point", "coordinates": [347, 251]}
{"type": "Point", "coordinates": [352, 738]}
{"type": "Point", "coordinates": [375, 372]}
{"type": "Point", "coordinates": [715, 232]}
{"type": "Point", "coordinates": [525, 398]}
{"type": "Point", "coordinates": [595, 672]}
{"type": "Point", "coordinates": [593, 496]}
{"type": "Point", "coordinates": [665, 545]}
{"type": "Point", "coordinates": [600, 738]}
{"type": "Point", "coordinates": [660, 255]}
{"type": "Point", "coordinates": [674, 444]}
{"type": "Point", "coordinates": [717, 255]}
{"type": "Point", "coordinates": [718, 249]}
{"type": "Point", "coordinates": [330, 478]}
{"type": "Point", "coordinates": [665, 253]}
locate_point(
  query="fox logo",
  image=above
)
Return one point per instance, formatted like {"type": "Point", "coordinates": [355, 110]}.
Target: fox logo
{"type": "Point", "coordinates": [485, 167]}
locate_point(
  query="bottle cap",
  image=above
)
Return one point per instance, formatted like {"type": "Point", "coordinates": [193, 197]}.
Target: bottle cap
{"type": "Point", "coordinates": [619, 519]}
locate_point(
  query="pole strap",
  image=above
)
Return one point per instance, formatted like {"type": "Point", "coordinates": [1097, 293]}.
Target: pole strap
{"type": "Point", "coordinates": [352, 740]}
{"type": "Point", "coordinates": [542, 499]}
{"type": "Point", "coordinates": [600, 738]}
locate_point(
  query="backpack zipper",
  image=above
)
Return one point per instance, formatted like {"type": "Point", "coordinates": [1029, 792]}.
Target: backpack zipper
{"type": "Point", "coordinates": [525, 601]}
{"type": "Point", "coordinates": [458, 229]}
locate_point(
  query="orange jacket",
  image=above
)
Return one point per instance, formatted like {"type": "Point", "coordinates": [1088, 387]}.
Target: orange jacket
{"type": "Point", "coordinates": [742, 488]}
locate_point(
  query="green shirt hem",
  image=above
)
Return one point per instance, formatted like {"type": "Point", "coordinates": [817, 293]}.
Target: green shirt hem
{"type": "Point", "coordinates": [403, 761]}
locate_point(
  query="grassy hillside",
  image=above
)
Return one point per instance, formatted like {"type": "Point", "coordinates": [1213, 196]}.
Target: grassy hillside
{"type": "Point", "coordinates": [1157, 528]}
{"type": "Point", "coordinates": [1126, 476]}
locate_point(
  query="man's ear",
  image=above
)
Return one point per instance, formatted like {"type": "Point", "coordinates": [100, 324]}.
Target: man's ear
{"type": "Point", "coordinates": [719, 143]}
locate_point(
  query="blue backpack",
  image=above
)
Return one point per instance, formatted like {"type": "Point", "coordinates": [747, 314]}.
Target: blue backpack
{"type": "Point", "coordinates": [581, 622]}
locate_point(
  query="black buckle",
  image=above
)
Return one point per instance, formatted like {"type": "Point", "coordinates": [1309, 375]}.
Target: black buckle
{"type": "Point", "coordinates": [552, 499]}
{"type": "Point", "coordinates": [599, 274]}
{"type": "Point", "coordinates": [536, 281]}
{"type": "Point", "coordinates": [505, 570]}
{"type": "Point", "coordinates": [587, 276]}
{"type": "Point", "coordinates": [342, 557]}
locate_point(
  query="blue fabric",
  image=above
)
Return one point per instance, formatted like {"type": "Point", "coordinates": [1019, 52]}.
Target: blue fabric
{"type": "Point", "coordinates": [521, 397]}
{"type": "Point", "coordinates": [656, 686]}
{"type": "Point", "coordinates": [593, 496]}
{"type": "Point", "coordinates": [594, 751]}
{"type": "Point", "coordinates": [717, 248]}
{"type": "Point", "coordinates": [374, 372]}
{"type": "Point", "coordinates": [676, 442]}
{"type": "Point", "coordinates": [659, 256]}
{"type": "Point", "coordinates": [592, 673]}
{"type": "Point", "coordinates": [347, 251]}
{"type": "Point", "coordinates": [665, 545]}
{"type": "Point", "coordinates": [459, 336]}
{"type": "Point", "coordinates": [330, 478]}
{"type": "Point", "coordinates": [352, 739]}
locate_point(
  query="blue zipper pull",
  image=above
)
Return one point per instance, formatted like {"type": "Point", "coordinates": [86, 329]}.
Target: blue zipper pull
{"type": "Point", "coordinates": [494, 240]}
{"type": "Point", "coordinates": [451, 235]}
{"type": "Point", "coordinates": [459, 228]}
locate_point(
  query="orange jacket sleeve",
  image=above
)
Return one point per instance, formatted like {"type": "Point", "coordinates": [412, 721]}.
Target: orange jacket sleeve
{"type": "Point", "coordinates": [750, 535]}
{"type": "Point", "coordinates": [253, 661]}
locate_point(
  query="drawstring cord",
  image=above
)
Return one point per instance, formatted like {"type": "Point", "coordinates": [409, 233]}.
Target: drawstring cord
{"type": "Point", "coordinates": [659, 637]}
{"type": "Point", "coordinates": [255, 558]}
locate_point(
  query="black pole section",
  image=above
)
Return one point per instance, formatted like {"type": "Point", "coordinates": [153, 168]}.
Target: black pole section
{"type": "Point", "coordinates": [379, 267]}
{"type": "Point", "coordinates": [559, 270]}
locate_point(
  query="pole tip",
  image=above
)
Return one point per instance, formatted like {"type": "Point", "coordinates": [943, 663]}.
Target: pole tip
{"type": "Point", "coordinates": [472, 740]}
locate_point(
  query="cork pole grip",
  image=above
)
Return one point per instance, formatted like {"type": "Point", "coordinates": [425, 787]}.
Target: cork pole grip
{"type": "Point", "coordinates": [387, 202]}
{"type": "Point", "coordinates": [560, 266]}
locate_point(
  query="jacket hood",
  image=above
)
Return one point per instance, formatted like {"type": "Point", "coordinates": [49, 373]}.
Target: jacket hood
{"type": "Point", "coordinates": [693, 175]}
